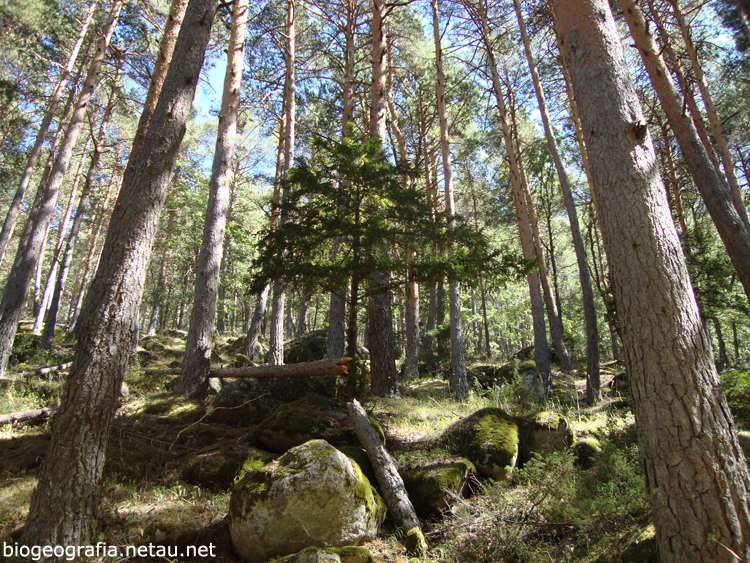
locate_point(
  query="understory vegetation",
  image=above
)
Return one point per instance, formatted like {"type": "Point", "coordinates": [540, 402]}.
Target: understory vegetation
{"type": "Point", "coordinates": [587, 503]}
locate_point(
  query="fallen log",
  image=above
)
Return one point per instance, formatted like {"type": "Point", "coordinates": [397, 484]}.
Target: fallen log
{"type": "Point", "coordinates": [42, 371]}
{"type": "Point", "coordinates": [306, 369]}
{"type": "Point", "coordinates": [26, 416]}
{"type": "Point", "coordinates": [394, 492]}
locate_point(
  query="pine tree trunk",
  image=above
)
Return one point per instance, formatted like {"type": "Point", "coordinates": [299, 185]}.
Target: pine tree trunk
{"type": "Point", "coordinates": [91, 264]}
{"type": "Point", "coordinates": [251, 340]}
{"type": "Point", "coordinates": [541, 347]}
{"type": "Point", "coordinates": [383, 374]}
{"type": "Point", "coordinates": [193, 383]}
{"type": "Point", "coordinates": [61, 233]}
{"type": "Point", "coordinates": [276, 342]}
{"type": "Point", "coordinates": [713, 189]}
{"type": "Point", "coordinates": [553, 313]}
{"type": "Point", "coordinates": [27, 256]}
{"type": "Point", "coordinates": [64, 504]}
{"type": "Point", "coordinates": [589, 309]}
{"type": "Point", "coordinates": [695, 470]}
{"type": "Point", "coordinates": [54, 100]}
{"type": "Point", "coordinates": [459, 378]}
{"type": "Point", "coordinates": [81, 210]}
{"type": "Point", "coordinates": [713, 119]}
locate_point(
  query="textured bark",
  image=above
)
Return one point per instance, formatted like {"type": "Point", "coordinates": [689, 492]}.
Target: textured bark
{"type": "Point", "coordinates": [64, 504]}
{"type": "Point", "coordinates": [383, 374]}
{"type": "Point", "coordinates": [90, 263]}
{"type": "Point", "coordinates": [81, 210]}
{"type": "Point", "coordinates": [196, 364]}
{"type": "Point", "coordinates": [713, 189]}
{"type": "Point", "coordinates": [589, 310]}
{"type": "Point", "coordinates": [15, 206]}
{"type": "Point", "coordinates": [27, 256]}
{"type": "Point", "coordinates": [695, 470]}
{"type": "Point", "coordinates": [301, 327]}
{"type": "Point", "coordinates": [713, 119]}
{"type": "Point", "coordinates": [541, 347]}
{"type": "Point", "coordinates": [459, 378]}
{"type": "Point", "coordinates": [159, 73]}
{"type": "Point", "coordinates": [386, 472]}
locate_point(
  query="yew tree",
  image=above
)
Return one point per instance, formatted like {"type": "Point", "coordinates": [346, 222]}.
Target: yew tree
{"type": "Point", "coordinates": [350, 197]}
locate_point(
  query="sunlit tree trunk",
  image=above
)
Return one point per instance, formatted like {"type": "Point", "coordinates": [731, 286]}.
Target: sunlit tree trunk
{"type": "Point", "coordinates": [383, 373]}
{"type": "Point", "coordinates": [81, 210]}
{"type": "Point", "coordinates": [193, 382]}
{"type": "Point", "coordinates": [90, 262]}
{"type": "Point", "coordinates": [64, 504]}
{"type": "Point", "coordinates": [694, 466]}
{"type": "Point", "coordinates": [589, 309]}
{"type": "Point", "coordinates": [713, 189]}
{"type": "Point", "coordinates": [27, 256]}
{"type": "Point", "coordinates": [459, 380]}
{"type": "Point", "coordinates": [541, 347]}
{"type": "Point", "coordinates": [276, 342]}
{"type": "Point", "coordinates": [54, 100]}
{"type": "Point", "coordinates": [713, 119]}
{"type": "Point", "coordinates": [61, 234]}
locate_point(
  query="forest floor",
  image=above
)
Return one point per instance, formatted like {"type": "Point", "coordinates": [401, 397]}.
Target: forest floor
{"type": "Point", "coordinates": [551, 510]}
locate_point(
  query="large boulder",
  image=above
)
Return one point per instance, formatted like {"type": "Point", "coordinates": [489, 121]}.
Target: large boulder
{"type": "Point", "coordinates": [311, 496]}
{"type": "Point", "coordinates": [246, 401]}
{"type": "Point", "coordinates": [434, 488]}
{"type": "Point", "coordinates": [236, 403]}
{"type": "Point", "coordinates": [212, 470]}
{"type": "Point", "coordinates": [308, 419]}
{"type": "Point", "coordinates": [488, 438]}
{"type": "Point", "coordinates": [543, 433]}
{"type": "Point", "coordinates": [307, 348]}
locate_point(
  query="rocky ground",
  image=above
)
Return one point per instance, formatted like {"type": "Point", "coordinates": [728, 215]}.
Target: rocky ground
{"type": "Point", "coordinates": [501, 477]}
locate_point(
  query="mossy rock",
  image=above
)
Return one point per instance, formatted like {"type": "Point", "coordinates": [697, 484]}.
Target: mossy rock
{"type": "Point", "coordinates": [236, 404]}
{"type": "Point", "coordinates": [433, 488]}
{"type": "Point", "coordinates": [586, 451]}
{"type": "Point", "coordinates": [308, 419]}
{"type": "Point", "coordinates": [489, 439]}
{"type": "Point", "coordinates": [359, 456]}
{"type": "Point", "coordinates": [170, 410]}
{"type": "Point", "coordinates": [311, 496]}
{"type": "Point", "coordinates": [198, 436]}
{"type": "Point", "coordinates": [213, 470]}
{"type": "Point", "coordinates": [543, 433]}
{"type": "Point", "coordinates": [255, 462]}
{"type": "Point", "coordinates": [489, 376]}
{"type": "Point", "coordinates": [307, 348]}
{"type": "Point", "coordinates": [643, 548]}
{"type": "Point", "coordinates": [348, 554]}
{"type": "Point", "coordinates": [258, 398]}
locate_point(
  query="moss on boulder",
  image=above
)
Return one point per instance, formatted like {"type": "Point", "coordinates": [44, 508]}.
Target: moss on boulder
{"type": "Point", "coordinates": [542, 433]}
{"type": "Point", "coordinates": [432, 488]}
{"type": "Point", "coordinates": [235, 404]}
{"type": "Point", "coordinates": [311, 496]}
{"type": "Point", "coordinates": [213, 470]}
{"type": "Point", "coordinates": [348, 554]}
{"type": "Point", "coordinates": [170, 410]}
{"type": "Point", "coordinates": [586, 451]}
{"type": "Point", "coordinates": [488, 438]}
{"type": "Point", "coordinates": [359, 456]}
{"type": "Point", "coordinates": [304, 420]}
